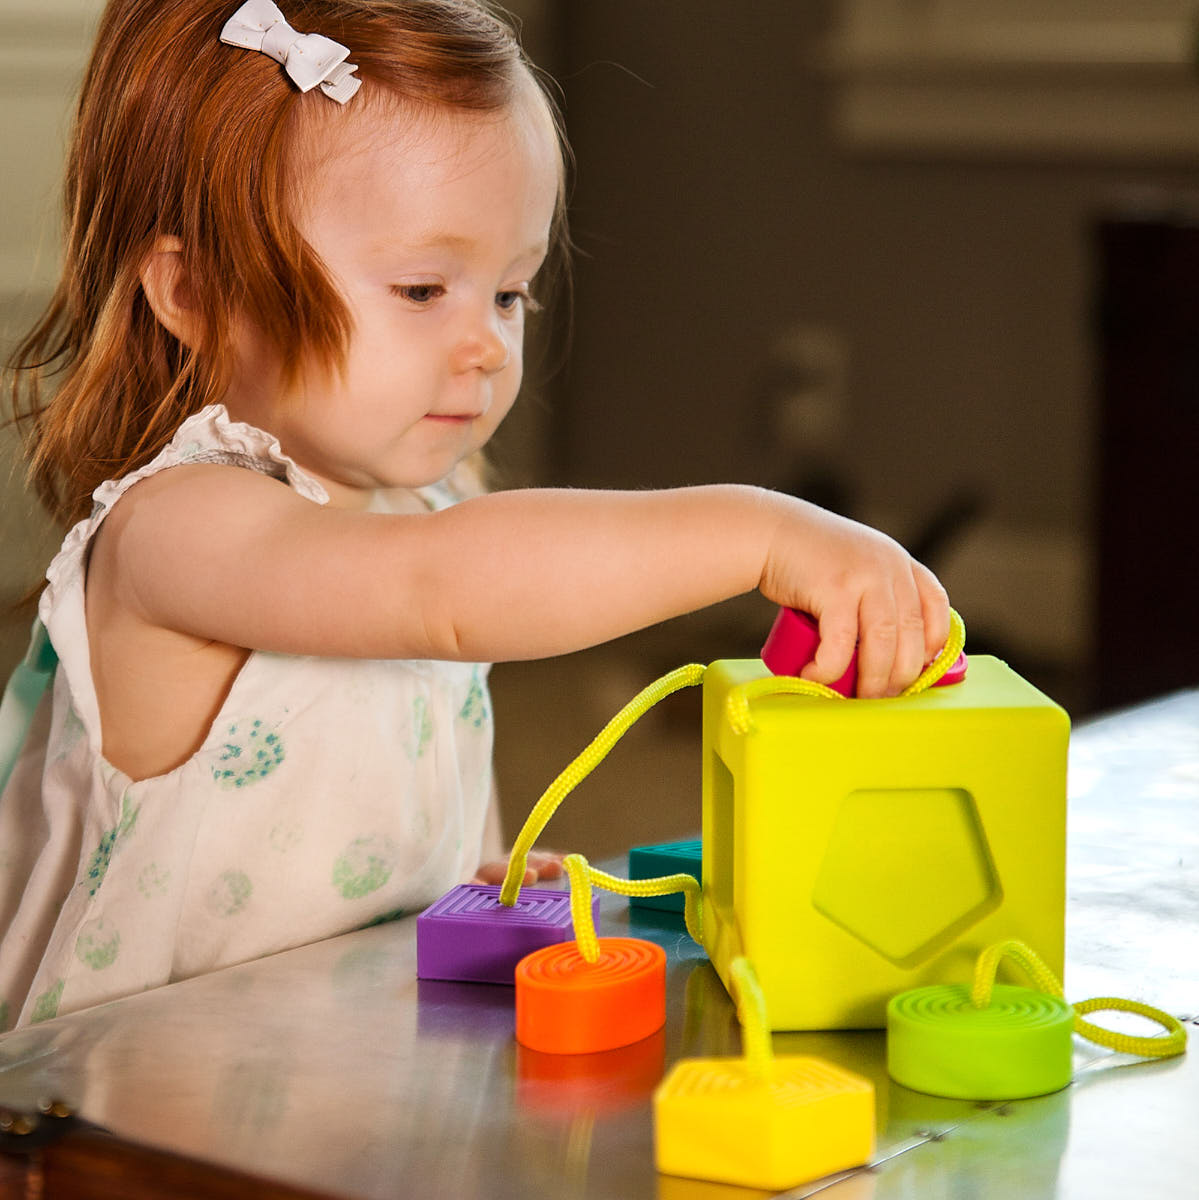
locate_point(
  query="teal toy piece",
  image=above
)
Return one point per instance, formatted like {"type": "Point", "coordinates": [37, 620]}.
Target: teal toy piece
{"type": "Point", "coordinates": [24, 692]}
{"type": "Point", "coordinates": [665, 858]}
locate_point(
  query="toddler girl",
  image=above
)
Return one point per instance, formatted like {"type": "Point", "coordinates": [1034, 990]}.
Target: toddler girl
{"type": "Point", "coordinates": [297, 273]}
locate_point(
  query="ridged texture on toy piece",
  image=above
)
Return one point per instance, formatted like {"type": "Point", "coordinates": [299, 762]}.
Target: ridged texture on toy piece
{"type": "Point", "coordinates": [474, 900]}
{"type": "Point", "coordinates": [1011, 1008]}
{"type": "Point", "coordinates": [795, 1082]}
{"type": "Point", "coordinates": [562, 966]}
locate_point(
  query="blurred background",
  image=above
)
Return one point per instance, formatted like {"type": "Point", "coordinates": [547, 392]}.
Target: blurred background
{"type": "Point", "coordinates": [931, 263]}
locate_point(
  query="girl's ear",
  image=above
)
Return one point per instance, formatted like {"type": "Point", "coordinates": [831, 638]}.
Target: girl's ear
{"type": "Point", "coordinates": [168, 290]}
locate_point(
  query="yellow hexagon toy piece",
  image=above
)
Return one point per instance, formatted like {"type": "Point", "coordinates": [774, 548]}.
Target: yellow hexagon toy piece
{"type": "Point", "coordinates": [720, 1119]}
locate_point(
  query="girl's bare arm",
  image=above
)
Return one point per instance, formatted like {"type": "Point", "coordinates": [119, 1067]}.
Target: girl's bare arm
{"type": "Point", "coordinates": [222, 553]}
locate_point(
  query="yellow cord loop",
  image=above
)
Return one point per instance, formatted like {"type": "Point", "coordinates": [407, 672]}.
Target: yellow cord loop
{"type": "Point", "coordinates": [737, 710]}
{"type": "Point", "coordinates": [954, 645]}
{"type": "Point", "coordinates": [1024, 956]}
{"type": "Point", "coordinates": [583, 765]}
{"type": "Point", "coordinates": [751, 1012]}
{"type": "Point", "coordinates": [1039, 972]}
{"type": "Point", "coordinates": [1175, 1041]}
{"type": "Point", "coordinates": [583, 875]}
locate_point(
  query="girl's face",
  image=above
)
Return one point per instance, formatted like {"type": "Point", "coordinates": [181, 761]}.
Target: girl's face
{"type": "Point", "coordinates": [433, 225]}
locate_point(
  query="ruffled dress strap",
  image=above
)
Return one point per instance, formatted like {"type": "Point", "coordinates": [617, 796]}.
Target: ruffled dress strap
{"type": "Point", "coordinates": [207, 437]}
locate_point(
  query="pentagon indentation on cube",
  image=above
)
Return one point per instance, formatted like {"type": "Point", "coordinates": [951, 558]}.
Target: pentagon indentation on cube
{"type": "Point", "coordinates": [469, 935]}
{"type": "Point", "coordinates": [714, 1118]}
{"type": "Point", "coordinates": [907, 870]}
{"type": "Point", "coordinates": [665, 858]}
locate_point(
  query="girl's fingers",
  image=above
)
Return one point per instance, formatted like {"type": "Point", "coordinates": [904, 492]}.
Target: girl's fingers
{"type": "Point", "coordinates": [547, 864]}
{"type": "Point", "coordinates": [897, 629]}
{"type": "Point", "coordinates": [540, 864]}
{"type": "Point", "coordinates": [879, 644]}
{"type": "Point", "coordinates": [496, 873]}
{"type": "Point", "coordinates": [934, 602]}
{"type": "Point", "coordinates": [838, 640]}
{"type": "Point", "coordinates": [490, 873]}
{"type": "Point", "coordinates": [910, 648]}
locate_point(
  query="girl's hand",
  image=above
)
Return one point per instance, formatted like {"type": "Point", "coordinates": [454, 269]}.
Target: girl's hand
{"type": "Point", "coordinates": [865, 590]}
{"type": "Point", "coordinates": [541, 864]}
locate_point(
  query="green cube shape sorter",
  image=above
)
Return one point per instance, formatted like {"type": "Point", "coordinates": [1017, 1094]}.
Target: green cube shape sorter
{"type": "Point", "coordinates": [854, 849]}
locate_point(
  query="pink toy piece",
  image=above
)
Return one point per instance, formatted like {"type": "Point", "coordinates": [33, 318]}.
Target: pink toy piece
{"type": "Point", "coordinates": [469, 935]}
{"type": "Point", "coordinates": [956, 673]}
{"type": "Point", "coordinates": [791, 645]}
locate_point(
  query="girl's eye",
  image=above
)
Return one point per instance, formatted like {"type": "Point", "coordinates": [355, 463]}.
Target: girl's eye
{"type": "Point", "coordinates": [510, 301]}
{"type": "Point", "coordinates": [418, 293]}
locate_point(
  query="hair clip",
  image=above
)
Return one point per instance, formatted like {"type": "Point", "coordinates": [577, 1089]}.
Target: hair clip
{"type": "Point", "coordinates": [308, 58]}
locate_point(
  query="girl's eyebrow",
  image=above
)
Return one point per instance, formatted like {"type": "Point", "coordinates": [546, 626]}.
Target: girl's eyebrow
{"type": "Point", "coordinates": [453, 242]}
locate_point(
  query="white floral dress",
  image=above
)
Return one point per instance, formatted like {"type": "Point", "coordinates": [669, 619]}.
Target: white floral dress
{"type": "Point", "coordinates": [328, 794]}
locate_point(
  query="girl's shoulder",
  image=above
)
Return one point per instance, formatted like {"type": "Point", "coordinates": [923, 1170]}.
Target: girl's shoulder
{"type": "Point", "coordinates": [211, 438]}
{"type": "Point", "coordinates": [206, 439]}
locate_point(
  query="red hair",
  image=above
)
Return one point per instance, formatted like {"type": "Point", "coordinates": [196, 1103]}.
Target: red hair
{"type": "Point", "coordinates": [178, 135]}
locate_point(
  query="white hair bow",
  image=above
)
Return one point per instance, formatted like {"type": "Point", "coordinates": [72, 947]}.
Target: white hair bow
{"type": "Point", "coordinates": [308, 58]}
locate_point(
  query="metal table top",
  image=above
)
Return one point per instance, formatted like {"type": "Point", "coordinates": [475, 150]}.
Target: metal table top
{"type": "Point", "coordinates": [333, 1067]}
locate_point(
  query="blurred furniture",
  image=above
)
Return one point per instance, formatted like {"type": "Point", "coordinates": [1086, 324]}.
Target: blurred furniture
{"type": "Point", "coordinates": [1147, 486]}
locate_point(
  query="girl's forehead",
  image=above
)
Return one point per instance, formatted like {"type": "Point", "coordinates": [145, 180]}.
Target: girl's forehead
{"type": "Point", "coordinates": [385, 142]}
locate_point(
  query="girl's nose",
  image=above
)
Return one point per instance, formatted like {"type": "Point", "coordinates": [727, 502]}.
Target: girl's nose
{"type": "Point", "coordinates": [484, 347]}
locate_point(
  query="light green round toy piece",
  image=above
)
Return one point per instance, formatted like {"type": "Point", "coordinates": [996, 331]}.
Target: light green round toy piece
{"type": "Point", "coordinates": [1019, 1045]}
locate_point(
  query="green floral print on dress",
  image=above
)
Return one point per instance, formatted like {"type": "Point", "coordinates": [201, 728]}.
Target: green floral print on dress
{"type": "Point", "coordinates": [251, 751]}
{"type": "Point", "coordinates": [474, 709]}
{"type": "Point", "coordinates": [422, 728]}
{"type": "Point", "coordinates": [229, 894]}
{"type": "Point", "coordinates": [97, 867]}
{"type": "Point", "coordinates": [364, 866]}
{"type": "Point", "coordinates": [46, 1006]}
{"type": "Point", "coordinates": [97, 945]}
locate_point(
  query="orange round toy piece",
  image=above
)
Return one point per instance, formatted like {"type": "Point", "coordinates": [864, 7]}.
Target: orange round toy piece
{"type": "Point", "coordinates": [566, 1005]}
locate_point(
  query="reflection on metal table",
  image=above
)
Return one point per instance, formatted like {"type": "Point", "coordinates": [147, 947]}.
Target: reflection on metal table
{"type": "Point", "coordinates": [331, 1067]}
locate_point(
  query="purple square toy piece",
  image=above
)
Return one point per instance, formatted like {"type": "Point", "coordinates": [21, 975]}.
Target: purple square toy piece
{"type": "Point", "coordinates": [469, 935]}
